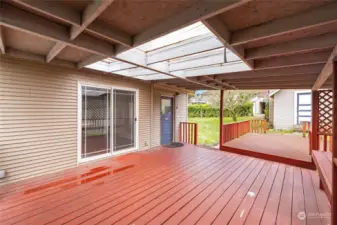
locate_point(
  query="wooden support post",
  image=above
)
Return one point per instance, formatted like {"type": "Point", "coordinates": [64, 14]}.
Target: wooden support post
{"type": "Point", "coordinates": [304, 129]}
{"type": "Point", "coordinates": [334, 146]}
{"type": "Point", "coordinates": [314, 126]}
{"type": "Point", "coordinates": [196, 134]}
{"type": "Point", "coordinates": [221, 119]}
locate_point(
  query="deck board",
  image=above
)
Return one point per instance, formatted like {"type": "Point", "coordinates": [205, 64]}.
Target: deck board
{"type": "Point", "coordinates": [188, 185]}
{"type": "Point", "coordinates": [290, 149]}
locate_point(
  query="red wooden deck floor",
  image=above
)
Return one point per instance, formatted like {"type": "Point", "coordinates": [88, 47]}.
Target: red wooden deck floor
{"type": "Point", "coordinates": [188, 185]}
{"type": "Point", "coordinates": [292, 149]}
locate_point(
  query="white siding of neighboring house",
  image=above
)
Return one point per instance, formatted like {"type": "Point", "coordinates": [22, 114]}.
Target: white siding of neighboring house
{"type": "Point", "coordinates": [284, 109]}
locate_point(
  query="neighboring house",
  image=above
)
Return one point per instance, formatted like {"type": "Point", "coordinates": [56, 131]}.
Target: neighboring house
{"type": "Point", "coordinates": [259, 105]}
{"type": "Point", "coordinates": [289, 108]}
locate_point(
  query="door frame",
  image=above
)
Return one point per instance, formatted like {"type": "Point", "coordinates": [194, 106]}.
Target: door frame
{"type": "Point", "coordinates": [172, 97]}
{"type": "Point", "coordinates": [79, 121]}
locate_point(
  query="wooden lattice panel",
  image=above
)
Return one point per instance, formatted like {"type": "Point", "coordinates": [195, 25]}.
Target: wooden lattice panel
{"type": "Point", "coordinates": [325, 112]}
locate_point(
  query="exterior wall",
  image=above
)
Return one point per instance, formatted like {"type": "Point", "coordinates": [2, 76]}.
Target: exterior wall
{"type": "Point", "coordinates": [271, 110]}
{"type": "Point", "coordinates": [181, 110]}
{"type": "Point", "coordinates": [284, 109]}
{"type": "Point", "coordinates": [38, 116]}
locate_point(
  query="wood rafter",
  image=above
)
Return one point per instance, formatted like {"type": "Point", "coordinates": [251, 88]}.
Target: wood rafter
{"type": "Point", "coordinates": [303, 45]}
{"type": "Point", "coordinates": [298, 22]}
{"type": "Point", "coordinates": [89, 14]}
{"type": "Point", "coordinates": [70, 16]}
{"type": "Point", "coordinates": [2, 42]}
{"type": "Point", "coordinates": [326, 71]}
{"type": "Point", "coordinates": [222, 83]}
{"type": "Point", "coordinates": [224, 35]}
{"type": "Point", "coordinates": [200, 11]}
{"type": "Point", "coordinates": [293, 60]}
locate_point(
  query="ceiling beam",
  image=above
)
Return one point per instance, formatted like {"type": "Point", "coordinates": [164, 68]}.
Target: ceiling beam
{"type": "Point", "coordinates": [303, 45]}
{"type": "Point", "coordinates": [326, 71]}
{"type": "Point", "coordinates": [304, 21]}
{"type": "Point", "coordinates": [293, 60]}
{"type": "Point", "coordinates": [61, 12]}
{"type": "Point", "coordinates": [2, 41]}
{"type": "Point", "coordinates": [90, 60]}
{"type": "Point", "coordinates": [22, 20]}
{"type": "Point", "coordinates": [174, 88]}
{"type": "Point", "coordinates": [298, 77]}
{"type": "Point", "coordinates": [222, 83]}
{"type": "Point", "coordinates": [89, 14]}
{"type": "Point", "coordinates": [278, 72]}
{"type": "Point", "coordinates": [55, 51]}
{"type": "Point", "coordinates": [304, 82]}
{"type": "Point", "coordinates": [224, 35]}
{"type": "Point", "coordinates": [18, 19]}
{"type": "Point", "coordinates": [39, 58]}
{"type": "Point", "coordinates": [199, 11]}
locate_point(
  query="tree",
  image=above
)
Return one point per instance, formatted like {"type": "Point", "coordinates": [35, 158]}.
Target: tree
{"type": "Point", "coordinates": [233, 100]}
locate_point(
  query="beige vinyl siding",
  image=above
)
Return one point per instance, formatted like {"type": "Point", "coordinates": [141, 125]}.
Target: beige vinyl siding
{"type": "Point", "coordinates": [284, 109]}
{"type": "Point", "coordinates": [181, 113]}
{"type": "Point", "coordinates": [38, 116]}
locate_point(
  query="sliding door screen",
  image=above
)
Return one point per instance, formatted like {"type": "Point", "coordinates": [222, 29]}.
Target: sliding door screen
{"type": "Point", "coordinates": [96, 111]}
{"type": "Point", "coordinates": [124, 119]}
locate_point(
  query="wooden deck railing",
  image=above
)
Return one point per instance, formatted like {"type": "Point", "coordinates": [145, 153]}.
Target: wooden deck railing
{"type": "Point", "coordinates": [325, 142]}
{"type": "Point", "coordinates": [306, 126]}
{"type": "Point", "coordinates": [234, 130]}
{"type": "Point", "coordinates": [324, 139]}
{"type": "Point", "coordinates": [189, 133]}
{"type": "Point", "coordinates": [258, 126]}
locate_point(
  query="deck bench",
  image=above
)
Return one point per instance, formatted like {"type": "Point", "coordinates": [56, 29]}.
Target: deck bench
{"type": "Point", "coordinates": [323, 161]}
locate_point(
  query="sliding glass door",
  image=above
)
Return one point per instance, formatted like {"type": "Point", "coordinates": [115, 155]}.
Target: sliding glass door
{"type": "Point", "coordinates": [108, 121]}
{"type": "Point", "coordinates": [124, 120]}
{"type": "Point", "coordinates": [96, 111]}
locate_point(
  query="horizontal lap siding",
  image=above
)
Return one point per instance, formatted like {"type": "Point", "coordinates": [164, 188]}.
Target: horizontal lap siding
{"type": "Point", "coordinates": [38, 116]}
{"type": "Point", "coordinates": [284, 109]}
{"type": "Point", "coordinates": [180, 105]}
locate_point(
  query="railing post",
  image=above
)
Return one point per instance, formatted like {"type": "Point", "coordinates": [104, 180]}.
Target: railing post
{"type": "Point", "coordinates": [314, 123]}
{"type": "Point", "coordinates": [196, 134]}
{"type": "Point", "coordinates": [221, 119]}
{"type": "Point", "coordinates": [334, 144]}
{"type": "Point", "coordinates": [304, 128]}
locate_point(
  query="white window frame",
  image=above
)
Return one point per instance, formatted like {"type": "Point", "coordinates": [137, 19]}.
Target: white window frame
{"type": "Point", "coordinates": [79, 122]}
{"type": "Point", "coordinates": [295, 103]}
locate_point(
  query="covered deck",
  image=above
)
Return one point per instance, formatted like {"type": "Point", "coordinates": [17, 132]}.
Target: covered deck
{"type": "Point", "coordinates": [291, 149]}
{"type": "Point", "coordinates": [187, 185]}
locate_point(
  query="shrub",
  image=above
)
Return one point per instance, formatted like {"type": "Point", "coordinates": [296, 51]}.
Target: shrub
{"type": "Point", "coordinates": [206, 110]}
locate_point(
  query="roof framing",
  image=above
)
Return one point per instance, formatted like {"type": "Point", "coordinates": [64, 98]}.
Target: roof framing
{"type": "Point", "coordinates": [224, 35]}
{"type": "Point", "coordinates": [22, 20]}
{"type": "Point", "coordinates": [326, 71]}
{"type": "Point", "coordinates": [287, 48]}
{"type": "Point", "coordinates": [302, 22]}
{"type": "Point", "coordinates": [2, 42]}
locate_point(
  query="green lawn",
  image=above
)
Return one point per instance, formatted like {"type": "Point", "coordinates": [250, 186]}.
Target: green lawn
{"type": "Point", "coordinates": [208, 128]}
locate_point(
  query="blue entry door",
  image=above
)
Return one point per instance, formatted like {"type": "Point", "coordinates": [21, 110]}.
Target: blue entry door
{"type": "Point", "coordinates": [166, 120]}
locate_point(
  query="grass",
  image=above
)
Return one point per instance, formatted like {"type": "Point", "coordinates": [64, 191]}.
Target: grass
{"type": "Point", "coordinates": [208, 128]}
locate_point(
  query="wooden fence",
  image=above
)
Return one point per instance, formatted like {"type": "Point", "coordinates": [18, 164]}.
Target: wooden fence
{"type": "Point", "coordinates": [189, 133]}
